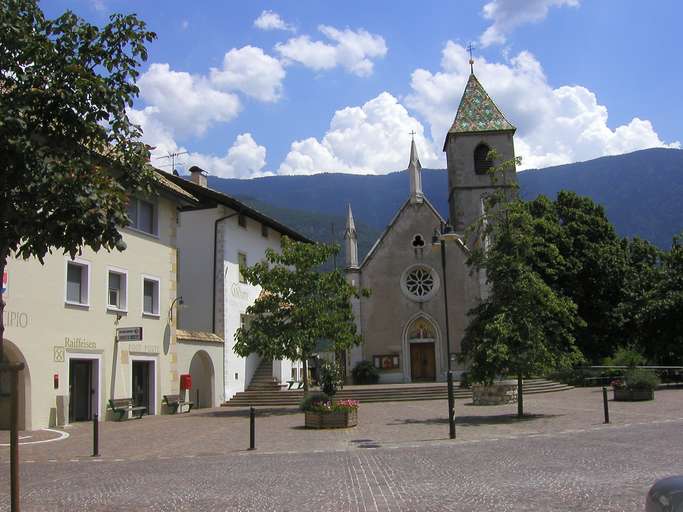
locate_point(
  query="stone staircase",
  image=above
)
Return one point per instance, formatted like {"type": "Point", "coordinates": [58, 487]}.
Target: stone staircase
{"type": "Point", "coordinates": [272, 396]}
{"type": "Point", "coordinates": [262, 382]}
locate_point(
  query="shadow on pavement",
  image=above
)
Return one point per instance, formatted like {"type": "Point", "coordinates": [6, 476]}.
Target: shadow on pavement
{"type": "Point", "coordinates": [244, 413]}
{"type": "Point", "coordinates": [497, 419]}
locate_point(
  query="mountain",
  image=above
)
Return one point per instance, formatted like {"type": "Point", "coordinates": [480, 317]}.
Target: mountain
{"type": "Point", "coordinates": [642, 193]}
{"type": "Point", "coordinates": [323, 227]}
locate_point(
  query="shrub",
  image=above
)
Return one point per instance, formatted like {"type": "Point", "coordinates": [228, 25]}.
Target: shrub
{"type": "Point", "coordinates": [625, 356]}
{"type": "Point", "coordinates": [312, 400]}
{"type": "Point", "coordinates": [639, 379]}
{"type": "Point", "coordinates": [365, 373]}
{"type": "Point", "coordinates": [331, 377]}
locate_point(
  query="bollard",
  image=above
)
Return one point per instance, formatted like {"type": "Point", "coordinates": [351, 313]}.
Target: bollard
{"type": "Point", "coordinates": [451, 406]}
{"type": "Point", "coordinates": [252, 428]}
{"type": "Point", "coordinates": [95, 436]}
{"type": "Point", "coordinates": [604, 401]}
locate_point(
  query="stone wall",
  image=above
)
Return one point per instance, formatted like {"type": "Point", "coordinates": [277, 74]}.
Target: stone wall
{"type": "Point", "coordinates": [499, 393]}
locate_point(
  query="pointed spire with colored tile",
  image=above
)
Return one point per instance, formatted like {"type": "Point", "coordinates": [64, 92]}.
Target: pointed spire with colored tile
{"type": "Point", "coordinates": [478, 113]}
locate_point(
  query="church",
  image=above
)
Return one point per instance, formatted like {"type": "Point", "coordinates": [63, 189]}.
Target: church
{"type": "Point", "coordinates": [403, 321]}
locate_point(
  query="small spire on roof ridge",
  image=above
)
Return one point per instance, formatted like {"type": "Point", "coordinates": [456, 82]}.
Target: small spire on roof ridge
{"type": "Point", "coordinates": [350, 224]}
{"type": "Point", "coordinates": [469, 48]}
{"type": "Point", "coordinates": [415, 174]}
{"type": "Point", "coordinates": [351, 240]}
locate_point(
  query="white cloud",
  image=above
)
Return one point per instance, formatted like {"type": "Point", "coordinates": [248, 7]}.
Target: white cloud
{"type": "Point", "coordinates": [373, 138]}
{"type": "Point", "coordinates": [269, 20]}
{"type": "Point", "coordinates": [251, 71]}
{"type": "Point", "coordinates": [244, 159]}
{"type": "Point", "coordinates": [354, 50]}
{"type": "Point", "coordinates": [185, 103]}
{"type": "Point", "coordinates": [507, 15]}
{"type": "Point", "coordinates": [554, 125]}
{"type": "Point", "coordinates": [154, 132]}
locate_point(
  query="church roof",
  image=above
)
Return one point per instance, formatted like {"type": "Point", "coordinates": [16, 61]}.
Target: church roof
{"type": "Point", "coordinates": [477, 112]}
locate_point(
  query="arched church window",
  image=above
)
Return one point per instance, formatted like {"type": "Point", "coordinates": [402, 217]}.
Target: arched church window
{"type": "Point", "coordinates": [482, 162]}
{"type": "Point", "coordinates": [421, 329]}
{"type": "Point", "coordinates": [419, 283]}
{"type": "Point", "coordinates": [418, 242]}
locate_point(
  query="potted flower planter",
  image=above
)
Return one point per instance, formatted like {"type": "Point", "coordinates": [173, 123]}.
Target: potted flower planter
{"type": "Point", "coordinates": [638, 384]}
{"type": "Point", "coordinates": [332, 419]}
{"type": "Point", "coordinates": [633, 395]}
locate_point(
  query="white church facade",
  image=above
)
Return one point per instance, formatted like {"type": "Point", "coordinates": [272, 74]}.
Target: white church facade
{"type": "Point", "coordinates": [403, 321]}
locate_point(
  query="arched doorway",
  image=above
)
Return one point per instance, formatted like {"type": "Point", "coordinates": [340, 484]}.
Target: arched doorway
{"type": "Point", "coordinates": [201, 370]}
{"type": "Point", "coordinates": [14, 355]}
{"type": "Point", "coordinates": [421, 346]}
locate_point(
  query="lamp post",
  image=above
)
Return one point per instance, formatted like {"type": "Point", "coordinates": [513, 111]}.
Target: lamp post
{"type": "Point", "coordinates": [441, 235]}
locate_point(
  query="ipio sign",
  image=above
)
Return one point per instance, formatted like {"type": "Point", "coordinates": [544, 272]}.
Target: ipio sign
{"type": "Point", "coordinates": [129, 334]}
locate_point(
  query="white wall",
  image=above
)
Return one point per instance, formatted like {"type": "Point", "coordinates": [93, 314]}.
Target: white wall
{"type": "Point", "coordinates": [237, 297]}
{"type": "Point", "coordinates": [195, 272]}
{"type": "Point", "coordinates": [195, 242]}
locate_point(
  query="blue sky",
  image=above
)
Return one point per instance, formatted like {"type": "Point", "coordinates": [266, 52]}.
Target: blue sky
{"type": "Point", "coordinates": [256, 88]}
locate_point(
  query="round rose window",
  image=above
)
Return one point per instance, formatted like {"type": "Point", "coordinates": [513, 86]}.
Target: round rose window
{"type": "Point", "coordinates": [419, 283]}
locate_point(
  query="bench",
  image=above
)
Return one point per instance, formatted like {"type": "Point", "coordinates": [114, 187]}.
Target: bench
{"type": "Point", "coordinates": [121, 407]}
{"type": "Point", "coordinates": [300, 384]}
{"type": "Point", "coordinates": [175, 403]}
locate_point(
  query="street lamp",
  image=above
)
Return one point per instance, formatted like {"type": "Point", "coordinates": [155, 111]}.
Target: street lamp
{"type": "Point", "coordinates": [441, 235]}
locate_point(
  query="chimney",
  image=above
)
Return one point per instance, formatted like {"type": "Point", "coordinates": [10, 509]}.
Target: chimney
{"type": "Point", "coordinates": [198, 176]}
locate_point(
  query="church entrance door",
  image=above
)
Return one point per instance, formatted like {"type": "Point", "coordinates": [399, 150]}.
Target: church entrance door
{"type": "Point", "coordinates": [422, 362]}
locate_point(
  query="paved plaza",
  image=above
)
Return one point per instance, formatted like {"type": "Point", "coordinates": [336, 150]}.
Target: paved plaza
{"type": "Point", "coordinates": [561, 457]}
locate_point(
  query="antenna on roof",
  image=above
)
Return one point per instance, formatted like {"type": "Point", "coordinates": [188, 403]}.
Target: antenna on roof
{"type": "Point", "coordinates": [172, 157]}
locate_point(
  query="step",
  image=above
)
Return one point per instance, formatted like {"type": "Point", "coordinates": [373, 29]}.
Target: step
{"type": "Point", "coordinates": [275, 391]}
{"type": "Point", "coordinates": [293, 398]}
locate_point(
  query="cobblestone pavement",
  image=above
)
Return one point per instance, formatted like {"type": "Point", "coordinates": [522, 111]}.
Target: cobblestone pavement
{"type": "Point", "coordinates": [561, 458]}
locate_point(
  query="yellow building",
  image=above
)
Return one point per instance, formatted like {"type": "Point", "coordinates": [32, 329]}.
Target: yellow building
{"type": "Point", "coordinates": [62, 320]}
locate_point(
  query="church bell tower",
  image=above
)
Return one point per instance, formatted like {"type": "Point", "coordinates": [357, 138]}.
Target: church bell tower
{"type": "Point", "coordinates": [478, 128]}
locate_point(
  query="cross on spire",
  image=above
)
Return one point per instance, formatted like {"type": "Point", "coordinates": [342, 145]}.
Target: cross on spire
{"type": "Point", "coordinates": [412, 134]}
{"type": "Point", "coordinates": [470, 48]}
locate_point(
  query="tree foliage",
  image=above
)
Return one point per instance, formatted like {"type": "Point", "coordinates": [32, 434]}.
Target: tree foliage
{"type": "Point", "coordinates": [590, 266]}
{"type": "Point", "coordinates": [68, 151]}
{"type": "Point", "coordinates": [660, 318]}
{"type": "Point", "coordinates": [298, 305]}
{"type": "Point", "coordinates": [522, 326]}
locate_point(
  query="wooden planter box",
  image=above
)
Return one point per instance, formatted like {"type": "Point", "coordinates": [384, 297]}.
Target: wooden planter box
{"type": "Point", "coordinates": [336, 419]}
{"type": "Point", "coordinates": [633, 395]}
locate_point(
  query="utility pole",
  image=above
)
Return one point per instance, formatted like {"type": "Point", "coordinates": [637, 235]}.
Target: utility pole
{"type": "Point", "coordinates": [334, 240]}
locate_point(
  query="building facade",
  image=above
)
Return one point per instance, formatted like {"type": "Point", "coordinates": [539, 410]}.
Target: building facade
{"type": "Point", "coordinates": [403, 322]}
{"type": "Point", "coordinates": [62, 320]}
{"type": "Point", "coordinates": [215, 240]}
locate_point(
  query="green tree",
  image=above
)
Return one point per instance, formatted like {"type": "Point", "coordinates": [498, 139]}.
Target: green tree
{"type": "Point", "coordinates": [298, 305]}
{"type": "Point", "coordinates": [661, 317]}
{"type": "Point", "coordinates": [645, 272]}
{"type": "Point", "coordinates": [68, 151]}
{"type": "Point", "coordinates": [579, 255]}
{"type": "Point", "coordinates": [522, 326]}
